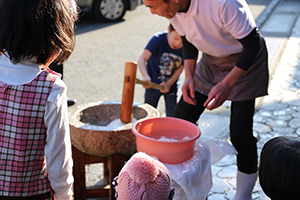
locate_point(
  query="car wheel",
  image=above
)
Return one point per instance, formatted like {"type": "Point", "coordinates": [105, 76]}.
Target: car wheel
{"type": "Point", "coordinates": [109, 10]}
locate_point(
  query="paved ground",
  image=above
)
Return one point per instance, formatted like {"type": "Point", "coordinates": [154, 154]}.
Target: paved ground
{"type": "Point", "coordinates": [277, 114]}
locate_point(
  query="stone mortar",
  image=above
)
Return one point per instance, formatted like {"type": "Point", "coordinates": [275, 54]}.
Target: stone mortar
{"type": "Point", "coordinates": [105, 142]}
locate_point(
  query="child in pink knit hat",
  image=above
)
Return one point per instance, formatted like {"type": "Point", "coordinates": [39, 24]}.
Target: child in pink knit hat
{"type": "Point", "coordinates": [143, 178]}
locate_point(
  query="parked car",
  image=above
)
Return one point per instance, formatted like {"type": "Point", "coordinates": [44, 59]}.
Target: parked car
{"type": "Point", "coordinates": [107, 10]}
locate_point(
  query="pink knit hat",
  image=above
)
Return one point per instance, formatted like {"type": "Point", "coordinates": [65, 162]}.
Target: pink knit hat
{"type": "Point", "coordinates": [143, 178]}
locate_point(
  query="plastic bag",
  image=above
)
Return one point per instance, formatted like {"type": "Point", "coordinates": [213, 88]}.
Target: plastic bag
{"type": "Point", "coordinates": [192, 179]}
{"type": "Point", "coordinates": [218, 149]}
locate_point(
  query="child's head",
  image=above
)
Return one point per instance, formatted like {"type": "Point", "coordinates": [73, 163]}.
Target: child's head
{"type": "Point", "coordinates": [279, 170]}
{"type": "Point", "coordinates": [41, 28]}
{"type": "Point", "coordinates": [174, 39]}
{"type": "Point", "coordinates": [143, 178]}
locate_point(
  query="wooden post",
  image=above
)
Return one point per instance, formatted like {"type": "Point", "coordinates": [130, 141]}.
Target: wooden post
{"type": "Point", "coordinates": [79, 174]}
{"type": "Point", "coordinates": [115, 164]}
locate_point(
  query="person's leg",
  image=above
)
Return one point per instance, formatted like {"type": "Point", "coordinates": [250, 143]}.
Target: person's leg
{"type": "Point", "coordinates": [190, 112]}
{"type": "Point", "coordinates": [60, 69]}
{"type": "Point", "coordinates": [170, 103]}
{"type": "Point", "coordinates": [152, 96]}
{"type": "Point", "coordinates": [57, 68]}
{"type": "Point", "coordinates": [241, 133]}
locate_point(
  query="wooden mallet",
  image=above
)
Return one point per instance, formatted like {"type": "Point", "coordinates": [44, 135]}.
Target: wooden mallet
{"type": "Point", "coordinates": [128, 92]}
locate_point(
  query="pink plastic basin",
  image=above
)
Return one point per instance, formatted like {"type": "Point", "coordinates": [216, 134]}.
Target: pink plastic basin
{"type": "Point", "coordinates": [171, 140]}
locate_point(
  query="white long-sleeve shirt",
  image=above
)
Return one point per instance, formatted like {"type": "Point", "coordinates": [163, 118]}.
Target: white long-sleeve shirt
{"type": "Point", "coordinates": [58, 143]}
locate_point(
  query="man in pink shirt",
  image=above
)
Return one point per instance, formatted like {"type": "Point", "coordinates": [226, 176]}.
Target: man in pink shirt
{"type": "Point", "coordinates": [234, 66]}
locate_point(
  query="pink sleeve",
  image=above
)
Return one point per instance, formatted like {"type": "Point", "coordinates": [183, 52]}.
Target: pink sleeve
{"type": "Point", "coordinates": [237, 18]}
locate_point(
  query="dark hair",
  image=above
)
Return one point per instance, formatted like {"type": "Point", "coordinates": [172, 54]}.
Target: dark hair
{"type": "Point", "coordinates": [39, 28]}
{"type": "Point", "coordinates": [279, 170]}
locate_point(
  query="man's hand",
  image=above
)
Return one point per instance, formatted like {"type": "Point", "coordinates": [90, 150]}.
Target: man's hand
{"type": "Point", "coordinates": [220, 92]}
{"type": "Point", "coordinates": [217, 95]}
{"type": "Point", "coordinates": [188, 91]}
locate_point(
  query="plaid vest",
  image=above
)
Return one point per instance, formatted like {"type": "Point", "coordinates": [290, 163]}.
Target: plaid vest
{"type": "Point", "coordinates": [23, 137]}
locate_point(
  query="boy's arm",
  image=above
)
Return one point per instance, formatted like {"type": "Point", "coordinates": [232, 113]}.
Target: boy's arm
{"type": "Point", "coordinates": [167, 85]}
{"type": "Point", "coordinates": [143, 68]}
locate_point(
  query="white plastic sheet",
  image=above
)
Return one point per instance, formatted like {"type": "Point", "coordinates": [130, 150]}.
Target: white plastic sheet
{"type": "Point", "coordinates": [192, 179]}
{"type": "Point", "coordinates": [218, 149]}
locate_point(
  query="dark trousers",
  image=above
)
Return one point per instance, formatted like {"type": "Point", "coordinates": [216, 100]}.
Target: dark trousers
{"type": "Point", "coordinates": [152, 97]}
{"type": "Point", "coordinates": [241, 128]}
{"type": "Point", "coordinates": [57, 68]}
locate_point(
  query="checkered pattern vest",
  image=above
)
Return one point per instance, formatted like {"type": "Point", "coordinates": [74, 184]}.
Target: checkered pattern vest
{"type": "Point", "coordinates": [23, 137]}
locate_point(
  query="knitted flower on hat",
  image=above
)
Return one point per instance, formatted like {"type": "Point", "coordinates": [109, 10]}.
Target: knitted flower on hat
{"type": "Point", "coordinates": [143, 178]}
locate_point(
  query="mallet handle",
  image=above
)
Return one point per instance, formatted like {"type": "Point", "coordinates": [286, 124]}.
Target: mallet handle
{"type": "Point", "coordinates": [152, 85]}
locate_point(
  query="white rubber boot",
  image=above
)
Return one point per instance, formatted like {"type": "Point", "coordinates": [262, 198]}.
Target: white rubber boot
{"type": "Point", "coordinates": [244, 185]}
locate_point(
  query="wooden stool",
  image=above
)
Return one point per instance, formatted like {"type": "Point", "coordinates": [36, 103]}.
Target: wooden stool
{"type": "Point", "coordinates": [112, 166]}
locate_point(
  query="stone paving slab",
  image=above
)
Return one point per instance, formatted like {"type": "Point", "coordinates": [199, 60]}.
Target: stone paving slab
{"type": "Point", "coordinates": [213, 126]}
{"type": "Point", "coordinates": [279, 25]}
{"type": "Point", "coordinates": [282, 19]}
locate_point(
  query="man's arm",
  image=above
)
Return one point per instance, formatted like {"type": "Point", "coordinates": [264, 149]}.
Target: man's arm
{"type": "Point", "coordinates": [220, 92]}
{"type": "Point", "coordinates": [190, 55]}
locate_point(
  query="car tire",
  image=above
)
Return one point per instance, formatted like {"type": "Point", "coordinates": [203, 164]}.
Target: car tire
{"type": "Point", "coordinates": [109, 10]}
